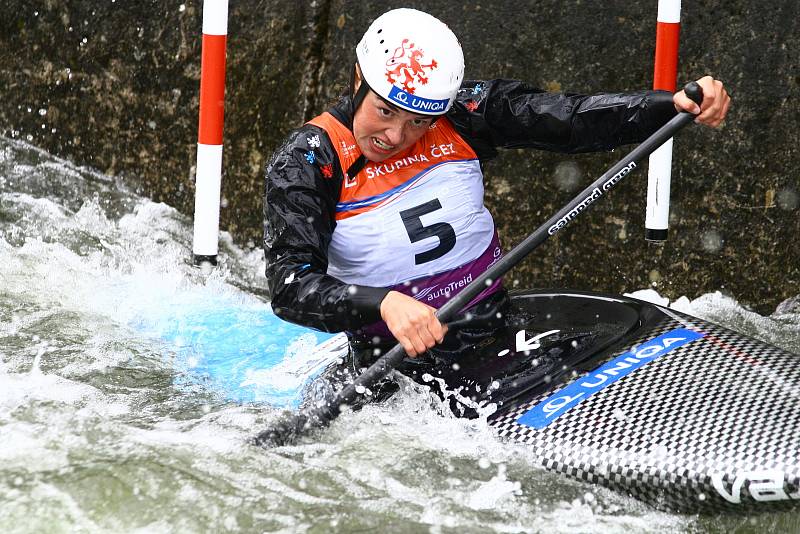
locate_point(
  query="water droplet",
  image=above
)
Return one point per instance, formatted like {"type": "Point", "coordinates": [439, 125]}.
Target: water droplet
{"type": "Point", "coordinates": [654, 276]}
{"type": "Point", "coordinates": [787, 199]}
{"type": "Point", "coordinates": [567, 176]}
{"type": "Point", "coordinates": [711, 241]}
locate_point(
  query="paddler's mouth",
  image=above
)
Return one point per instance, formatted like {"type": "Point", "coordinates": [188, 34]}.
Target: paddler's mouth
{"type": "Point", "coordinates": [382, 147]}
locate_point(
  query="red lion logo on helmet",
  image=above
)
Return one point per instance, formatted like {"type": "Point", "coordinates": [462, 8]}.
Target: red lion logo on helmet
{"type": "Point", "coordinates": [406, 63]}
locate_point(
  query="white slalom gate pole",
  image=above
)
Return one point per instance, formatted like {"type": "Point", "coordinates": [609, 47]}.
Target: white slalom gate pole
{"type": "Point", "coordinates": [665, 77]}
{"type": "Point", "coordinates": [209, 137]}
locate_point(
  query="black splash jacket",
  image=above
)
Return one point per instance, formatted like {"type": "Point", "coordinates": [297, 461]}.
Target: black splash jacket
{"type": "Point", "coordinates": [301, 194]}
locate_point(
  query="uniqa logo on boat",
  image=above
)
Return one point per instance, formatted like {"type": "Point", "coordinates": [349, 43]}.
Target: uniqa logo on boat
{"type": "Point", "coordinates": [552, 407]}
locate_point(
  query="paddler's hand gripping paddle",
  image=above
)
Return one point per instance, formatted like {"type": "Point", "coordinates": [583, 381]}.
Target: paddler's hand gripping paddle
{"type": "Point", "coordinates": [288, 428]}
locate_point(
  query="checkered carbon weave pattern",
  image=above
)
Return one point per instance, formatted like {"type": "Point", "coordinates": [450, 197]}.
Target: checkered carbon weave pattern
{"type": "Point", "coordinates": [724, 408]}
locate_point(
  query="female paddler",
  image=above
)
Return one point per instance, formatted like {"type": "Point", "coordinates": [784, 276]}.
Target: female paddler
{"type": "Point", "coordinates": [374, 213]}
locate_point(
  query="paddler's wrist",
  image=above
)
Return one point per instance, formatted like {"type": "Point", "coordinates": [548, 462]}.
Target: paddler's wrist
{"type": "Point", "coordinates": [366, 301]}
{"type": "Point", "coordinates": [660, 106]}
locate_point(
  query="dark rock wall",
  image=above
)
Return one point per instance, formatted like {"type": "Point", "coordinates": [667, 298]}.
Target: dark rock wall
{"type": "Point", "coordinates": [114, 85]}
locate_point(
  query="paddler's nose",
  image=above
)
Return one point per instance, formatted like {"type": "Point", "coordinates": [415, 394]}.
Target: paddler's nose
{"type": "Point", "coordinates": [395, 133]}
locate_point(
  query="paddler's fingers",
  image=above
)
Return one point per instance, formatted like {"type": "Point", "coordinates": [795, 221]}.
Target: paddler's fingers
{"type": "Point", "coordinates": [437, 329]}
{"type": "Point", "coordinates": [409, 346]}
{"type": "Point", "coordinates": [411, 322]}
{"type": "Point", "coordinates": [423, 341]}
{"type": "Point", "coordinates": [423, 338]}
{"type": "Point", "coordinates": [714, 107]}
{"type": "Point", "coordinates": [684, 103]}
{"type": "Point", "coordinates": [431, 333]}
{"type": "Point", "coordinates": [724, 113]}
{"type": "Point", "coordinates": [423, 333]}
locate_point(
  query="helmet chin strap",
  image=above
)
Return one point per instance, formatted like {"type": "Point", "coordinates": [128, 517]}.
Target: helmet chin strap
{"type": "Point", "coordinates": [356, 96]}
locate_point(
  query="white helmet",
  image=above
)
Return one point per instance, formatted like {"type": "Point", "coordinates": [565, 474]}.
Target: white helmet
{"type": "Point", "coordinates": [412, 60]}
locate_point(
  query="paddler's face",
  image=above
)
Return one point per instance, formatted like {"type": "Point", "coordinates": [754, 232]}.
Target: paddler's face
{"type": "Point", "coordinates": [383, 130]}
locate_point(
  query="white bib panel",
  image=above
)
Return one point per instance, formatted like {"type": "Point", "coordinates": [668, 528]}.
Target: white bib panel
{"type": "Point", "coordinates": [407, 231]}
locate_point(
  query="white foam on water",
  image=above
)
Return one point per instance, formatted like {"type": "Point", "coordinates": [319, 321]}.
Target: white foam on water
{"type": "Point", "coordinates": [21, 447]}
{"type": "Point", "coordinates": [302, 360]}
{"type": "Point", "coordinates": [19, 389]}
{"type": "Point", "coordinates": [491, 494]}
{"type": "Point", "coordinates": [57, 507]}
{"type": "Point", "coordinates": [211, 435]}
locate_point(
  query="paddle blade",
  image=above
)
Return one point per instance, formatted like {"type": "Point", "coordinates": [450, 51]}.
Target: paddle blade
{"type": "Point", "coordinates": [292, 425]}
{"type": "Point", "coordinates": [284, 431]}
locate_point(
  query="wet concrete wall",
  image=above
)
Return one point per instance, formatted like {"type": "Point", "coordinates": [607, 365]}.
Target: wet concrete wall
{"type": "Point", "coordinates": [114, 85]}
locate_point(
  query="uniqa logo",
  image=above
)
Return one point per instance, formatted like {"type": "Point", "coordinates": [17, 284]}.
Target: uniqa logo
{"type": "Point", "coordinates": [417, 102]}
{"type": "Point", "coordinates": [645, 352]}
{"type": "Point", "coordinates": [552, 407]}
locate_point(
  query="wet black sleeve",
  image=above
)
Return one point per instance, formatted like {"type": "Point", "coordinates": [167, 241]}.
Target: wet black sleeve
{"type": "Point", "coordinates": [511, 114]}
{"type": "Point", "coordinates": [299, 208]}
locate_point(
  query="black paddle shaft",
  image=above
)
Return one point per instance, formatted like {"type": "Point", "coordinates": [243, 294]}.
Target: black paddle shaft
{"type": "Point", "coordinates": [295, 424]}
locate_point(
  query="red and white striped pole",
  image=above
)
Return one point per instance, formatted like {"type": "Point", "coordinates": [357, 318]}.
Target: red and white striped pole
{"type": "Point", "coordinates": [209, 138]}
{"type": "Point", "coordinates": [666, 78]}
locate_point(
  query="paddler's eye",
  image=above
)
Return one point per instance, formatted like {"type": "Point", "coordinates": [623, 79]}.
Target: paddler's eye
{"type": "Point", "coordinates": [419, 123]}
{"type": "Point", "coordinates": [385, 112]}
